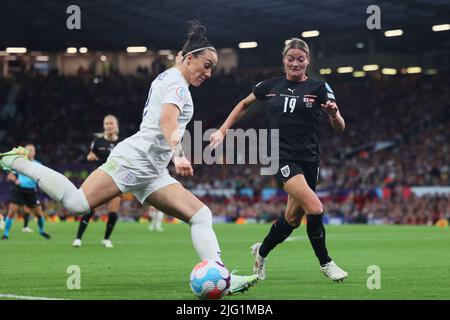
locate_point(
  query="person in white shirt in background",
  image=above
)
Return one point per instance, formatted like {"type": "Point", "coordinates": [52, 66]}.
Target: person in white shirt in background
{"type": "Point", "coordinates": [156, 219]}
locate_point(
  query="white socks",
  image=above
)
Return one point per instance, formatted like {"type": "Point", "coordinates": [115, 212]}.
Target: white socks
{"type": "Point", "coordinates": [158, 216]}
{"type": "Point", "coordinates": [156, 223]}
{"type": "Point", "coordinates": [53, 183]}
{"type": "Point", "coordinates": [203, 236]}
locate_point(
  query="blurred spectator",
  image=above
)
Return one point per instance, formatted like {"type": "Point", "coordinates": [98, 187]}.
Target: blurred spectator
{"type": "Point", "coordinates": [396, 136]}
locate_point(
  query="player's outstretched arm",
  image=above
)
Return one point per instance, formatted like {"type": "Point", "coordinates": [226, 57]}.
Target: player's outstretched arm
{"type": "Point", "coordinates": [238, 112]}
{"type": "Point", "coordinates": [169, 127]}
{"type": "Point", "coordinates": [332, 110]}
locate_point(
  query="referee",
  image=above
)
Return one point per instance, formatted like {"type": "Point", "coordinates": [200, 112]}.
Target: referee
{"type": "Point", "coordinates": [25, 194]}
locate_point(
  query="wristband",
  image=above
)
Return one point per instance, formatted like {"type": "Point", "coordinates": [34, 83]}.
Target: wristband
{"type": "Point", "coordinates": [178, 151]}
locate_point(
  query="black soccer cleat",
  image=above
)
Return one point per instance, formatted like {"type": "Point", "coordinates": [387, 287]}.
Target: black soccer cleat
{"type": "Point", "coordinates": [4, 237]}
{"type": "Point", "coordinates": [46, 235]}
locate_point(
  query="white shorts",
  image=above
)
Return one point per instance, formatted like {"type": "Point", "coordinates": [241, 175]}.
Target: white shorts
{"type": "Point", "coordinates": [132, 172]}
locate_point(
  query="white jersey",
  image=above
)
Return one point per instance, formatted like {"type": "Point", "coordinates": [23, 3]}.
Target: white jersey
{"type": "Point", "coordinates": [138, 164]}
{"type": "Point", "coordinates": [169, 87]}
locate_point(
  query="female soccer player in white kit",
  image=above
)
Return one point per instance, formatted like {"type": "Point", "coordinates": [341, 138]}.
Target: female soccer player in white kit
{"type": "Point", "coordinates": [139, 163]}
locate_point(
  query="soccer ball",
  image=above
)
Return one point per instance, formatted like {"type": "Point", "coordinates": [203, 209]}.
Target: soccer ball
{"type": "Point", "coordinates": [210, 280]}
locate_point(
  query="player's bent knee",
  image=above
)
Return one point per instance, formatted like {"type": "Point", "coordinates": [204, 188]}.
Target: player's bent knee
{"type": "Point", "coordinates": [203, 216]}
{"type": "Point", "coordinates": [76, 202]}
{"type": "Point", "coordinates": [314, 209]}
{"type": "Point", "coordinates": [294, 222]}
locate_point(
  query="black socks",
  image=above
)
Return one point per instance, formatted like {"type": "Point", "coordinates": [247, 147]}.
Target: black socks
{"type": "Point", "coordinates": [316, 234]}
{"type": "Point", "coordinates": [84, 223]}
{"type": "Point", "coordinates": [279, 232]}
{"type": "Point", "coordinates": [112, 218]}
{"type": "Point", "coordinates": [26, 220]}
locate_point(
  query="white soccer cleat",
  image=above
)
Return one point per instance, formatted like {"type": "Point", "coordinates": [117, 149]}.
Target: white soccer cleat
{"type": "Point", "coordinates": [241, 283]}
{"type": "Point", "coordinates": [27, 229]}
{"type": "Point", "coordinates": [76, 243]}
{"type": "Point", "coordinates": [7, 158]}
{"type": "Point", "coordinates": [332, 271]}
{"type": "Point", "coordinates": [259, 268]}
{"type": "Point", "coordinates": [2, 224]}
{"type": "Point", "coordinates": [107, 243]}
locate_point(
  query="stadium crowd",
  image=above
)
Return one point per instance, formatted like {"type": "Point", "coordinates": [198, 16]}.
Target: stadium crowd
{"type": "Point", "coordinates": [397, 137]}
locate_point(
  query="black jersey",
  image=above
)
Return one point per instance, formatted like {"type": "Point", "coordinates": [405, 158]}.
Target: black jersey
{"type": "Point", "coordinates": [294, 109]}
{"type": "Point", "coordinates": [102, 148]}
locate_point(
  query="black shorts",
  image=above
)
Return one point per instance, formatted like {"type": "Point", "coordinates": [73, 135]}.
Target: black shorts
{"type": "Point", "coordinates": [25, 197]}
{"type": "Point", "coordinates": [288, 169]}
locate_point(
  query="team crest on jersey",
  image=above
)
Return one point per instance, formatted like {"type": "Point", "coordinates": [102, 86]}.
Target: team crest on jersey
{"type": "Point", "coordinates": [285, 171]}
{"type": "Point", "coordinates": [309, 99]}
{"type": "Point", "coordinates": [181, 92]}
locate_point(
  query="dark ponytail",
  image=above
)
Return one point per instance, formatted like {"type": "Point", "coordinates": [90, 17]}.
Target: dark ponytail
{"type": "Point", "coordinates": [196, 39]}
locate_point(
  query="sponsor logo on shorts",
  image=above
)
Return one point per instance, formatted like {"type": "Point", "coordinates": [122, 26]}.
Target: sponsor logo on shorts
{"type": "Point", "coordinates": [285, 171]}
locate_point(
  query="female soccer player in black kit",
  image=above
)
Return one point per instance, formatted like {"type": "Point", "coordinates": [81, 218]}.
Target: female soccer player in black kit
{"type": "Point", "coordinates": [296, 103]}
{"type": "Point", "coordinates": [100, 149]}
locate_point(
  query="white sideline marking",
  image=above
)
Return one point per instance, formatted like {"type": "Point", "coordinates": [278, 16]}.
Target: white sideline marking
{"type": "Point", "coordinates": [13, 296]}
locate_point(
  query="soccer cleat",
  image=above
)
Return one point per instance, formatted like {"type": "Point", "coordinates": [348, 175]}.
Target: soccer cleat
{"type": "Point", "coordinates": [7, 158]}
{"type": "Point", "coordinates": [332, 271]}
{"type": "Point", "coordinates": [4, 237]}
{"type": "Point", "coordinates": [46, 235]}
{"type": "Point", "coordinates": [259, 268]}
{"type": "Point", "coordinates": [76, 243]}
{"type": "Point", "coordinates": [241, 283]}
{"type": "Point", "coordinates": [107, 243]}
{"type": "Point", "coordinates": [153, 228]}
{"type": "Point", "coordinates": [2, 224]}
{"type": "Point", "coordinates": [27, 229]}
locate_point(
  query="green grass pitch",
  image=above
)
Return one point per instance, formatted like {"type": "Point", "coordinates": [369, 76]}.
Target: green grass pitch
{"type": "Point", "coordinates": [414, 262]}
